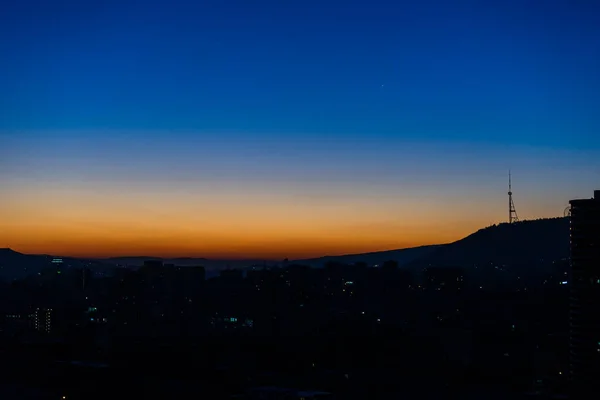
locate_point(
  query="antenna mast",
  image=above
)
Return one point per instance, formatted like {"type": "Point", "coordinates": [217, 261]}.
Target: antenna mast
{"type": "Point", "coordinates": [512, 212]}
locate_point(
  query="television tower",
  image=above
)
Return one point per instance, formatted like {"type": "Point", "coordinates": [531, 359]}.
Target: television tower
{"type": "Point", "coordinates": [512, 212]}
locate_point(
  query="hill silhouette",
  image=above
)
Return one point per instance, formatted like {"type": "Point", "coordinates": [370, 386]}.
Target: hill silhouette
{"type": "Point", "coordinates": [526, 248]}
{"type": "Point", "coordinates": [139, 260]}
{"type": "Point", "coordinates": [15, 265]}
{"type": "Point", "coordinates": [527, 244]}
{"type": "Point", "coordinates": [401, 256]}
{"type": "Point", "coordinates": [528, 252]}
{"type": "Point", "coordinates": [520, 243]}
{"type": "Point", "coordinates": [212, 266]}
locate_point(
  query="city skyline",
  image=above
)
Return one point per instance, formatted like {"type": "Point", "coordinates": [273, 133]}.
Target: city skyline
{"type": "Point", "coordinates": [298, 130]}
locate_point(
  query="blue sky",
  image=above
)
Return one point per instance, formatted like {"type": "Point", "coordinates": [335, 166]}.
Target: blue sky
{"type": "Point", "coordinates": [435, 97]}
{"type": "Point", "coordinates": [517, 71]}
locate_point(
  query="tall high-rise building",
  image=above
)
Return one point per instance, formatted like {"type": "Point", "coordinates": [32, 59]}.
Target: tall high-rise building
{"type": "Point", "coordinates": [42, 319]}
{"type": "Point", "coordinates": [584, 281]}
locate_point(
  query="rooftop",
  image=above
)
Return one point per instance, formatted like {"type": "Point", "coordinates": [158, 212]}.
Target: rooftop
{"type": "Point", "coordinates": [595, 198]}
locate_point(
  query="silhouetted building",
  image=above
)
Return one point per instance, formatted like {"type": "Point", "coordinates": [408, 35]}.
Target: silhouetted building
{"type": "Point", "coordinates": [192, 274]}
{"type": "Point", "coordinates": [440, 278]}
{"type": "Point", "coordinates": [231, 274]}
{"type": "Point", "coordinates": [153, 264]}
{"type": "Point", "coordinates": [259, 275]}
{"type": "Point", "coordinates": [584, 281]}
{"type": "Point", "coordinates": [42, 320]}
{"type": "Point", "coordinates": [15, 323]}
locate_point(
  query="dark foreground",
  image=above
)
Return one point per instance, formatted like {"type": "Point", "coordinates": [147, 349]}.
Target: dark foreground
{"type": "Point", "coordinates": [224, 368]}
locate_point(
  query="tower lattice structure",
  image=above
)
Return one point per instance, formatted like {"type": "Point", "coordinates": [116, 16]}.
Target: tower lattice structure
{"type": "Point", "coordinates": [512, 212]}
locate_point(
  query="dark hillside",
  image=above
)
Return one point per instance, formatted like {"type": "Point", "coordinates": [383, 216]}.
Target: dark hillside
{"type": "Point", "coordinates": [527, 249]}
{"type": "Point", "coordinates": [401, 256]}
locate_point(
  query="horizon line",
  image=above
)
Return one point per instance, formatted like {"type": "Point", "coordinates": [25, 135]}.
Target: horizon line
{"type": "Point", "coordinates": [259, 259]}
{"type": "Point", "coordinates": [270, 259]}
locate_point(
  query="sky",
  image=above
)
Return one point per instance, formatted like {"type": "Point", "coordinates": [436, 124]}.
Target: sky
{"type": "Point", "coordinates": [273, 129]}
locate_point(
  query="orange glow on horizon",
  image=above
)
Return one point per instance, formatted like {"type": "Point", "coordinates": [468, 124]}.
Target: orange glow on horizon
{"type": "Point", "coordinates": [232, 223]}
{"type": "Point", "coordinates": [187, 242]}
{"type": "Point", "coordinates": [91, 251]}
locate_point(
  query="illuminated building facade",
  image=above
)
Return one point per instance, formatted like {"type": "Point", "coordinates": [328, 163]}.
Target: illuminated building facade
{"type": "Point", "coordinates": [42, 320]}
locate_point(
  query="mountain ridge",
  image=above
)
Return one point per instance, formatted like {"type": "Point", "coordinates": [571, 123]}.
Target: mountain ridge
{"type": "Point", "coordinates": [518, 242]}
{"type": "Point", "coordinates": [522, 244]}
{"type": "Point", "coordinates": [402, 256]}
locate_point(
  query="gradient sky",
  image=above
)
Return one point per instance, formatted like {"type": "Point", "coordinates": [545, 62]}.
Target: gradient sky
{"type": "Point", "coordinates": [272, 129]}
